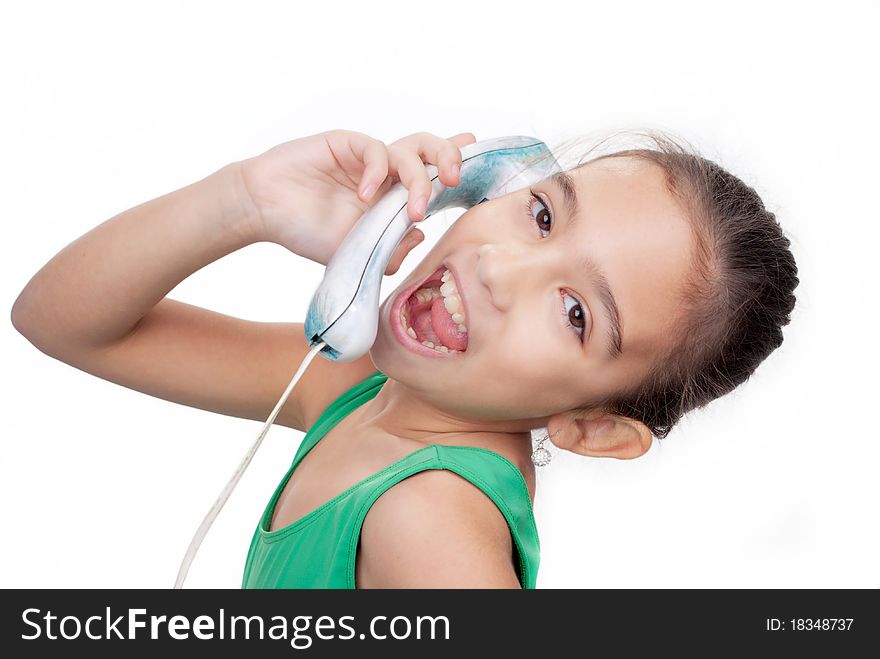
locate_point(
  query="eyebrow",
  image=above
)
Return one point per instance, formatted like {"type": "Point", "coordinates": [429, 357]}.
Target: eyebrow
{"type": "Point", "coordinates": [566, 184]}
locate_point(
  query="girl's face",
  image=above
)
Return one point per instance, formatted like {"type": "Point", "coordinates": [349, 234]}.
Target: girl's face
{"type": "Point", "coordinates": [564, 301]}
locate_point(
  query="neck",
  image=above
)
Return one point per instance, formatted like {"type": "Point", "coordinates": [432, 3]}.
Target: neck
{"type": "Point", "coordinates": [398, 411]}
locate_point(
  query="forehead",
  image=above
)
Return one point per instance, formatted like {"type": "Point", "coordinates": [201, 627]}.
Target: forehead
{"type": "Point", "coordinates": [632, 226]}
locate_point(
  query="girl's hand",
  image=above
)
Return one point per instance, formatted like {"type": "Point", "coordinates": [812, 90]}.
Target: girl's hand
{"type": "Point", "coordinates": [307, 193]}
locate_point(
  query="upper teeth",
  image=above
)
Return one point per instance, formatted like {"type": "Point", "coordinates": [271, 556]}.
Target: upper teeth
{"type": "Point", "coordinates": [450, 300]}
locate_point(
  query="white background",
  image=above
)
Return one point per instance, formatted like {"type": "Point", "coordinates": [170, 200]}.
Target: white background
{"type": "Point", "coordinates": [109, 104]}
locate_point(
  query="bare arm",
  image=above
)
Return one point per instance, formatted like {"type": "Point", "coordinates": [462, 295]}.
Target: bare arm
{"type": "Point", "coordinates": [100, 305]}
{"type": "Point", "coordinates": [95, 290]}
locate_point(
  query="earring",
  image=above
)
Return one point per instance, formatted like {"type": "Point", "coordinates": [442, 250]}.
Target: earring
{"type": "Point", "coordinates": [541, 456]}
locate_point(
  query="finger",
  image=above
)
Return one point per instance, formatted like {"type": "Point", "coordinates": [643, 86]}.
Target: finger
{"type": "Point", "coordinates": [413, 238]}
{"type": "Point", "coordinates": [445, 154]}
{"type": "Point", "coordinates": [374, 155]}
{"type": "Point", "coordinates": [409, 168]}
{"type": "Point", "coordinates": [463, 139]}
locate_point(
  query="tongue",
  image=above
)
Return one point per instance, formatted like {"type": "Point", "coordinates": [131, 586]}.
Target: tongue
{"type": "Point", "coordinates": [445, 328]}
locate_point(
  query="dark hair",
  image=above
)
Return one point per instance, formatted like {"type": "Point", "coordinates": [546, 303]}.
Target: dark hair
{"type": "Point", "coordinates": [736, 301]}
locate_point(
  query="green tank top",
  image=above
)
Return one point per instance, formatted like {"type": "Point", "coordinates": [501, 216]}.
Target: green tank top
{"type": "Point", "coordinates": [319, 549]}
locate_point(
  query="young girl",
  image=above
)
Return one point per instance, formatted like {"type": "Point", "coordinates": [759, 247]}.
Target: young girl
{"type": "Point", "coordinates": [601, 304]}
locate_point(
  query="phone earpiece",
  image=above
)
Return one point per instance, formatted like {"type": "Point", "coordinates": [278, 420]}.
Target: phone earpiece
{"type": "Point", "coordinates": [344, 310]}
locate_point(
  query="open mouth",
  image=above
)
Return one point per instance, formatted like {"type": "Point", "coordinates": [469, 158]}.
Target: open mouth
{"type": "Point", "coordinates": [432, 317]}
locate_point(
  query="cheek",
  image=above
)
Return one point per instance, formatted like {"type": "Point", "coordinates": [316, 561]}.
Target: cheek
{"type": "Point", "coordinates": [526, 348]}
{"type": "Point", "coordinates": [532, 352]}
{"type": "Point", "coordinates": [473, 228]}
{"type": "Point", "coordinates": [491, 218]}
{"type": "Point", "coordinates": [383, 332]}
{"type": "Point", "coordinates": [479, 224]}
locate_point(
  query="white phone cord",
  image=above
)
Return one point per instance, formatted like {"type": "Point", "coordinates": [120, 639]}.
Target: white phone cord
{"type": "Point", "coordinates": [224, 495]}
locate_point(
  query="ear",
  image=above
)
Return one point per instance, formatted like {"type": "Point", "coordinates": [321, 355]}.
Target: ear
{"type": "Point", "coordinates": [599, 434]}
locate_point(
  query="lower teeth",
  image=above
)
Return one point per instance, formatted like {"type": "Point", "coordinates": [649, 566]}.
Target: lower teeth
{"type": "Point", "coordinates": [440, 348]}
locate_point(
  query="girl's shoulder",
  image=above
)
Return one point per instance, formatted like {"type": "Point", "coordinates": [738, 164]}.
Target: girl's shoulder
{"type": "Point", "coordinates": [443, 533]}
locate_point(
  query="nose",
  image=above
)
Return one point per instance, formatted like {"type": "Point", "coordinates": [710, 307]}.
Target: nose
{"type": "Point", "coordinates": [504, 268]}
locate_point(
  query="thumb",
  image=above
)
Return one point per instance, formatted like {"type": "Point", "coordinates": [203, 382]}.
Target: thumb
{"type": "Point", "coordinates": [413, 238]}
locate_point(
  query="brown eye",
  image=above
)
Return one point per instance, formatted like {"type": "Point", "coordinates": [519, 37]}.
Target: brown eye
{"type": "Point", "coordinates": [543, 218]}
{"type": "Point", "coordinates": [574, 315]}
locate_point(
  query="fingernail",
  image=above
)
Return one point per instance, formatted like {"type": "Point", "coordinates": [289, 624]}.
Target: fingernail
{"type": "Point", "coordinates": [421, 205]}
{"type": "Point", "coordinates": [368, 191]}
{"type": "Point", "coordinates": [455, 170]}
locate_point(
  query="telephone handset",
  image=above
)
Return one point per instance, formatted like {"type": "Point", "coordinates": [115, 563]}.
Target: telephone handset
{"type": "Point", "coordinates": [344, 310]}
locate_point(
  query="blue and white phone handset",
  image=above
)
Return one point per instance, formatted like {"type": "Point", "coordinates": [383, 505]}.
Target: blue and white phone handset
{"type": "Point", "coordinates": [344, 311]}
{"type": "Point", "coordinates": [343, 316]}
